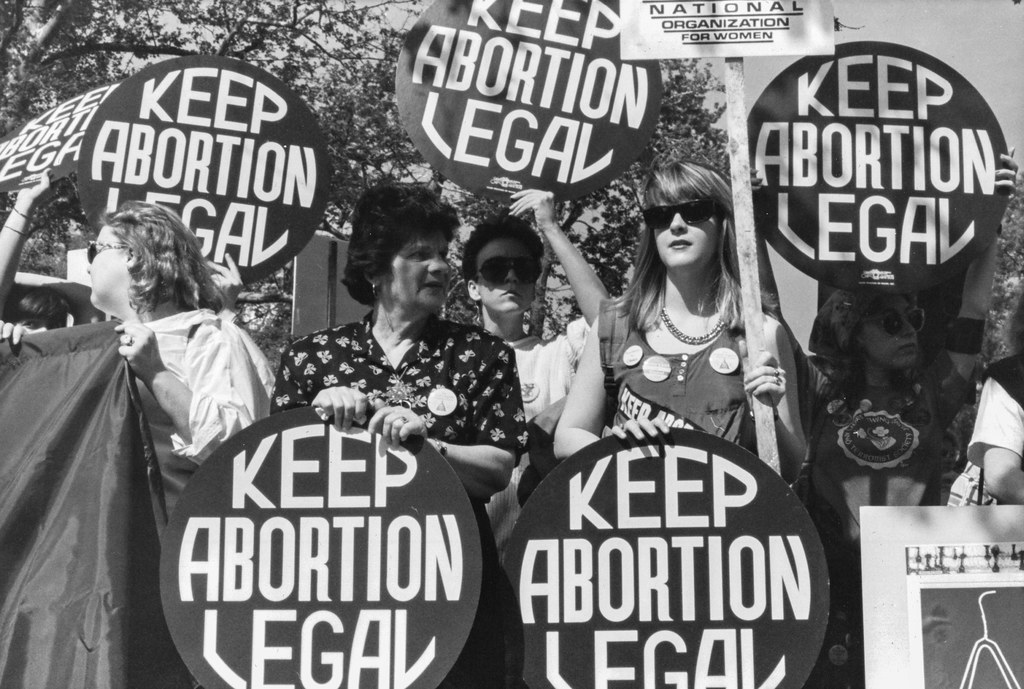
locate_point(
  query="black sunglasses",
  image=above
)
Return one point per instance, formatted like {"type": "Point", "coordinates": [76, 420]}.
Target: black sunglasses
{"type": "Point", "coordinates": [97, 248]}
{"type": "Point", "coordinates": [892, 321]}
{"type": "Point", "coordinates": [692, 212]}
{"type": "Point", "coordinates": [496, 269]}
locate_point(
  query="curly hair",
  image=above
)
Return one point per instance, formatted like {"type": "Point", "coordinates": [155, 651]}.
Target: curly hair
{"type": "Point", "coordinates": [167, 264]}
{"type": "Point", "coordinates": [671, 180]}
{"type": "Point", "coordinates": [386, 218]}
{"type": "Point", "coordinates": [496, 227]}
{"type": "Point", "coordinates": [833, 338]}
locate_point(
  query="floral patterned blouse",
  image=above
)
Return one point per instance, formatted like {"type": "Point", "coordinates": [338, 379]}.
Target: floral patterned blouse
{"type": "Point", "coordinates": [463, 363]}
{"type": "Point", "coordinates": [463, 382]}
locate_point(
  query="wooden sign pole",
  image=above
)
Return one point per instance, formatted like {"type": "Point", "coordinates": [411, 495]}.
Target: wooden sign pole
{"type": "Point", "coordinates": [746, 247]}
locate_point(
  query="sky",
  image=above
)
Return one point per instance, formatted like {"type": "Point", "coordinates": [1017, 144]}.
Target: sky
{"type": "Point", "coordinates": [983, 40]}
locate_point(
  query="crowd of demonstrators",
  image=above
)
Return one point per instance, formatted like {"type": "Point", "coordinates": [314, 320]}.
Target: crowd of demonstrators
{"type": "Point", "coordinates": [402, 371]}
{"type": "Point", "coordinates": [501, 263]}
{"type": "Point", "coordinates": [674, 339]}
{"type": "Point", "coordinates": [874, 416]}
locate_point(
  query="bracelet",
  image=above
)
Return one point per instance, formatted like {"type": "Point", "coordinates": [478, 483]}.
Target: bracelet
{"type": "Point", "coordinates": [15, 210]}
{"type": "Point", "coordinates": [8, 227]}
{"type": "Point", "coordinates": [965, 335]}
{"type": "Point", "coordinates": [441, 447]}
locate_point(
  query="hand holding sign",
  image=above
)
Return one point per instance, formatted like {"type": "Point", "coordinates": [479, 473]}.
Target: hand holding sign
{"type": "Point", "coordinates": [502, 95]}
{"type": "Point", "coordinates": [881, 165]}
{"type": "Point", "coordinates": [301, 554]}
{"type": "Point", "coordinates": [647, 564]}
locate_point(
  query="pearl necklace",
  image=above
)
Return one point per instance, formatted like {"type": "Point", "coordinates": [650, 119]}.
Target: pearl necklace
{"type": "Point", "coordinates": [688, 339]}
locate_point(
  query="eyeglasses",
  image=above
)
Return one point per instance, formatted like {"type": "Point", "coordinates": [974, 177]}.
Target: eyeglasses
{"type": "Point", "coordinates": [892, 320]}
{"type": "Point", "coordinates": [496, 269]}
{"type": "Point", "coordinates": [692, 212]}
{"type": "Point", "coordinates": [97, 248]}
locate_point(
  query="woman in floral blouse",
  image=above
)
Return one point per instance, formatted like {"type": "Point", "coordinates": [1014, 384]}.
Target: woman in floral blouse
{"type": "Point", "coordinates": [402, 371]}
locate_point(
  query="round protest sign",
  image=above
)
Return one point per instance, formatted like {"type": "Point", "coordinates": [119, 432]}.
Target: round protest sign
{"type": "Point", "coordinates": [880, 166]}
{"type": "Point", "coordinates": [302, 556]}
{"type": "Point", "coordinates": [49, 142]}
{"type": "Point", "coordinates": [505, 95]}
{"type": "Point", "coordinates": [228, 146]}
{"type": "Point", "coordinates": [687, 564]}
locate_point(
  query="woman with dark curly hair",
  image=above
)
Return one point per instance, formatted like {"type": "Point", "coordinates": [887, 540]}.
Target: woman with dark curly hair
{"type": "Point", "coordinates": [404, 372]}
{"type": "Point", "coordinates": [201, 382]}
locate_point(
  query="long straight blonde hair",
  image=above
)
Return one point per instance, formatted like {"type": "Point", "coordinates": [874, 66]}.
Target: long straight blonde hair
{"type": "Point", "coordinates": [670, 181]}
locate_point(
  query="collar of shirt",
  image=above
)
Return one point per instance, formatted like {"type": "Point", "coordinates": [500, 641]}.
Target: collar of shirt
{"type": "Point", "coordinates": [428, 348]}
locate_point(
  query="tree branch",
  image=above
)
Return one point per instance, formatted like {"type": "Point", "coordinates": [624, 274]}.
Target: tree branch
{"type": "Point", "coordinates": [137, 48]}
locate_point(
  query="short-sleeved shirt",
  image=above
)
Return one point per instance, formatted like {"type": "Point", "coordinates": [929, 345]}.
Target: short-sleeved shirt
{"type": "Point", "coordinates": [884, 448]}
{"type": "Point", "coordinates": [1000, 422]}
{"type": "Point", "coordinates": [475, 367]}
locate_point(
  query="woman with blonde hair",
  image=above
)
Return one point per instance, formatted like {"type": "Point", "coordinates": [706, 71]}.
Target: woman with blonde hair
{"type": "Point", "coordinates": [201, 379]}
{"type": "Point", "coordinates": [669, 351]}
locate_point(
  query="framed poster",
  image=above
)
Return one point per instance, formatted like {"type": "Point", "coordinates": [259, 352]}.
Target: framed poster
{"type": "Point", "coordinates": [943, 596]}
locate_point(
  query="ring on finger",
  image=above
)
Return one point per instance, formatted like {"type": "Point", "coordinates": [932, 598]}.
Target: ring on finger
{"type": "Point", "coordinates": [127, 340]}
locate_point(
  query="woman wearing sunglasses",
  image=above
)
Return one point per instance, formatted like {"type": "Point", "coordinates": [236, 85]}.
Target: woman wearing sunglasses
{"type": "Point", "coordinates": [501, 263]}
{"type": "Point", "coordinates": [201, 378]}
{"type": "Point", "coordinates": [668, 352]}
{"type": "Point", "coordinates": [878, 417]}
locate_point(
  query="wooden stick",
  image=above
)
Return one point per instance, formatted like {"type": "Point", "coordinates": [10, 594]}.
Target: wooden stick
{"type": "Point", "coordinates": [746, 248]}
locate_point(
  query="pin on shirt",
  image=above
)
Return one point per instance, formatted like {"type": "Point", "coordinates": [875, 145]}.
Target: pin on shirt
{"type": "Point", "coordinates": [724, 360]}
{"type": "Point", "coordinates": [657, 369]}
{"type": "Point", "coordinates": [632, 355]}
{"type": "Point", "coordinates": [441, 401]}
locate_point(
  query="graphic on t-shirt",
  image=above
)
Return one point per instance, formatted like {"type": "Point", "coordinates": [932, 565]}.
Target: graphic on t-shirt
{"type": "Point", "coordinates": [636, 407]}
{"type": "Point", "coordinates": [878, 439]}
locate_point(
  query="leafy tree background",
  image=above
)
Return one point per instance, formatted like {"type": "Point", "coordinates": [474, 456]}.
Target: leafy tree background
{"type": "Point", "coordinates": [340, 58]}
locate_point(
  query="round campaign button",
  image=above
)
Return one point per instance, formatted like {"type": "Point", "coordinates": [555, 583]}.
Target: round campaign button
{"type": "Point", "coordinates": [725, 360]}
{"type": "Point", "coordinates": [657, 368]}
{"type": "Point", "coordinates": [441, 401]}
{"type": "Point", "coordinates": [632, 355]}
{"type": "Point", "coordinates": [530, 391]}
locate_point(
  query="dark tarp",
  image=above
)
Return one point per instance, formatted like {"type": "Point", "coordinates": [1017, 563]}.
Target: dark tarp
{"type": "Point", "coordinates": [79, 551]}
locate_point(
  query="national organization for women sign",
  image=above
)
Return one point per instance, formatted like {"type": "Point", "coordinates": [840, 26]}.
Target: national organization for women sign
{"type": "Point", "coordinates": [684, 563]}
{"type": "Point", "coordinates": [880, 165]}
{"type": "Point", "coordinates": [504, 95]}
{"type": "Point", "coordinates": [301, 556]}
{"type": "Point", "coordinates": [227, 145]}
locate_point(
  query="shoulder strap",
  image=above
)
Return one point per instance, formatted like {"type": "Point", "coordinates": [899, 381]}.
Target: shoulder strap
{"type": "Point", "coordinates": [611, 333]}
{"type": "Point", "coordinates": [1009, 373]}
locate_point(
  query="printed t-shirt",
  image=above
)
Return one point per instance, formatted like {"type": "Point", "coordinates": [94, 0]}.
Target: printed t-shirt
{"type": "Point", "coordinates": [885, 447]}
{"type": "Point", "coordinates": [703, 389]}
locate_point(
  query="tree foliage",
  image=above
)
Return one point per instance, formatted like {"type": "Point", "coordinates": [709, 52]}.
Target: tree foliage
{"type": "Point", "coordinates": [340, 57]}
